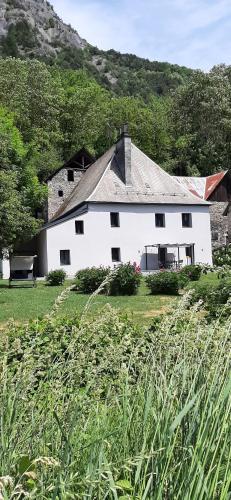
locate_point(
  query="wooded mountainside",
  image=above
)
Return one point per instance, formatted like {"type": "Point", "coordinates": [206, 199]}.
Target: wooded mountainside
{"type": "Point", "coordinates": [72, 97]}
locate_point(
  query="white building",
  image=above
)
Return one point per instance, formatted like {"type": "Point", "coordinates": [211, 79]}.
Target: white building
{"type": "Point", "coordinates": [124, 207]}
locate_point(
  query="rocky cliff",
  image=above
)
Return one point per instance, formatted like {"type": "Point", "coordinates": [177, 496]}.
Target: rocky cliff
{"type": "Point", "coordinates": [31, 27]}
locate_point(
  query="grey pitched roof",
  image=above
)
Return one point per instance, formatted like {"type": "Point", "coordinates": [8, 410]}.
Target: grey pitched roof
{"type": "Point", "coordinates": [104, 182]}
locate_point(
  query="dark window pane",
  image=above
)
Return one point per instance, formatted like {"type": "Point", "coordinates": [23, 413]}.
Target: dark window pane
{"type": "Point", "coordinates": [65, 258]}
{"type": "Point", "coordinates": [79, 227]}
{"type": "Point", "coordinates": [60, 193]}
{"type": "Point", "coordinates": [70, 175]}
{"type": "Point", "coordinates": [160, 220]}
{"type": "Point", "coordinates": [215, 235]}
{"type": "Point", "coordinates": [115, 219]}
{"type": "Point", "coordinates": [186, 220]}
{"type": "Point", "coordinates": [115, 254]}
{"type": "Point", "coordinates": [189, 252]}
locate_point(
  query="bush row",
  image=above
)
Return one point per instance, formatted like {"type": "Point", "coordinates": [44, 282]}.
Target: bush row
{"type": "Point", "coordinates": [125, 279]}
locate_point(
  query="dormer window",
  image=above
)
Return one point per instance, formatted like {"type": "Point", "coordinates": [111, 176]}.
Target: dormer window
{"type": "Point", "coordinates": [70, 175]}
{"type": "Point", "coordinates": [60, 193]}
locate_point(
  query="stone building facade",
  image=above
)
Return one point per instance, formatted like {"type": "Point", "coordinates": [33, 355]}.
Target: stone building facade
{"type": "Point", "coordinates": [64, 180]}
{"type": "Point", "coordinates": [220, 224]}
{"type": "Point", "coordinates": [216, 189]}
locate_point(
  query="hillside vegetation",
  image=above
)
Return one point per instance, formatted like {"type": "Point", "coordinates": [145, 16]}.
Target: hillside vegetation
{"type": "Point", "coordinates": [32, 29]}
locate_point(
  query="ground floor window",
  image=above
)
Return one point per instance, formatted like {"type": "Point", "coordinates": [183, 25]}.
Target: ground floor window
{"type": "Point", "coordinates": [115, 255]}
{"type": "Point", "coordinates": [65, 257]}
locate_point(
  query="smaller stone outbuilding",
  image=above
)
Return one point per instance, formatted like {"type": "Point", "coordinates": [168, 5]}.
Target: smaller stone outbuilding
{"type": "Point", "coordinates": [215, 189]}
{"type": "Point", "coordinates": [62, 182]}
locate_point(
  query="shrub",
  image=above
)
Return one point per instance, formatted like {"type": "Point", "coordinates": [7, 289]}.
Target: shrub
{"type": "Point", "coordinates": [126, 280]}
{"type": "Point", "coordinates": [183, 279]}
{"type": "Point", "coordinates": [201, 291]}
{"type": "Point", "coordinates": [56, 277]}
{"type": "Point", "coordinates": [222, 256]}
{"type": "Point", "coordinates": [89, 280]}
{"type": "Point", "coordinates": [192, 272]}
{"type": "Point", "coordinates": [214, 296]}
{"type": "Point", "coordinates": [165, 282]}
{"type": "Point", "coordinates": [218, 298]}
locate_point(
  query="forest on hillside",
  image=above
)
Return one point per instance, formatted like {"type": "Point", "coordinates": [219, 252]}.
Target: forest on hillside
{"type": "Point", "coordinates": [48, 112]}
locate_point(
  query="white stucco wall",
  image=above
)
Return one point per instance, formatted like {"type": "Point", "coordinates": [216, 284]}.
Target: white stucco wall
{"type": "Point", "coordinates": [137, 229]}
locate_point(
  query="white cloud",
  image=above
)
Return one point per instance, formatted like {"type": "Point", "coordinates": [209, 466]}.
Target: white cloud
{"type": "Point", "coordinates": [190, 32]}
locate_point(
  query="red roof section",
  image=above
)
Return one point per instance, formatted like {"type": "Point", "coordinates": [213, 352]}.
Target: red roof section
{"type": "Point", "coordinates": [212, 182]}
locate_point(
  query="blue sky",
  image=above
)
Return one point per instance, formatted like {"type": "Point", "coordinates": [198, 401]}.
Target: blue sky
{"type": "Point", "coordinates": [194, 33]}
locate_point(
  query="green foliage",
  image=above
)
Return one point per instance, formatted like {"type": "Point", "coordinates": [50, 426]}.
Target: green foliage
{"type": "Point", "coordinates": [201, 123]}
{"type": "Point", "coordinates": [12, 148]}
{"type": "Point", "coordinates": [16, 222]}
{"type": "Point", "coordinates": [219, 299]}
{"type": "Point", "coordinates": [126, 280]}
{"type": "Point", "coordinates": [20, 35]}
{"type": "Point", "coordinates": [215, 296]}
{"type": "Point", "coordinates": [104, 402]}
{"type": "Point", "coordinates": [192, 272]}
{"type": "Point", "coordinates": [164, 282]}
{"type": "Point", "coordinates": [222, 256]}
{"type": "Point", "coordinates": [134, 76]}
{"type": "Point", "coordinates": [90, 279]}
{"type": "Point", "coordinates": [56, 277]}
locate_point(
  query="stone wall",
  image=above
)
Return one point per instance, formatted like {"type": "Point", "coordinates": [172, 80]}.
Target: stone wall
{"type": "Point", "coordinates": [219, 224]}
{"type": "Point", "coordinates": [59, 182]}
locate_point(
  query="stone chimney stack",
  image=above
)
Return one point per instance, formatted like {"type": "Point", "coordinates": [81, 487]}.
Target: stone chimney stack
{"type": "Point", "coordinates": [123, 155]}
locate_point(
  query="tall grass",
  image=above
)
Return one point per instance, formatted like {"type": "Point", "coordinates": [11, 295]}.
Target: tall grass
{"type": "Point", "coordinates": [99, 409]}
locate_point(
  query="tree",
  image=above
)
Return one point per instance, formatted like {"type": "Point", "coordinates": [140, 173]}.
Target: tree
{"type": "Point", "coordinates": [201, 123]}
{"type": "Point", "coordinates": [34, 93]}
{"type": "Point", "coordinates": [84, 112]}
{"type": "Point", "coordinates": [11, 144]}
{"type": "Point", "coordinates": [16, 223]}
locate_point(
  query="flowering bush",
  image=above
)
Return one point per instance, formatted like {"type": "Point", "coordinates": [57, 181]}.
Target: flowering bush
{"type": "Point", "coordinates": [191, 272]}
{"type": "Point", "coordinates": [126, 280]}
{"type": "Point", "coordinates": [222, 256]}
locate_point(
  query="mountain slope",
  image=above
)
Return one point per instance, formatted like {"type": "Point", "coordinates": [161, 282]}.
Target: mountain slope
{"type": "Point", "coordinates": [31, 28]}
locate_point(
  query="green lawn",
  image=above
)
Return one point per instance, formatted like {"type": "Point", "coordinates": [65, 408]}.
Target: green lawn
{"type": "Point", "coordinates": [22, 304]}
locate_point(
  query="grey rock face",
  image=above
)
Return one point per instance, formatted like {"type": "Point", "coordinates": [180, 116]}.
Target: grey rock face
{"type": "Point", "coordinates": [50, 31]}
{"type": "Point", "coordinates": [220, 224]}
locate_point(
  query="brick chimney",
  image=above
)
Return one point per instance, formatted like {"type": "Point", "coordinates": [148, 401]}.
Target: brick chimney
{"type": "Point", "coordinates": [123, 155]}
